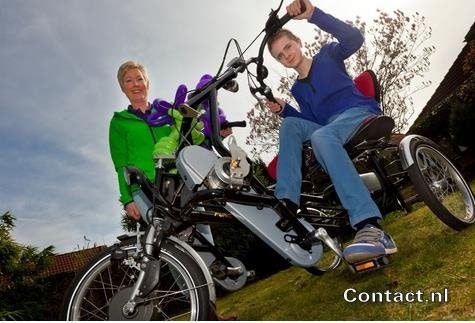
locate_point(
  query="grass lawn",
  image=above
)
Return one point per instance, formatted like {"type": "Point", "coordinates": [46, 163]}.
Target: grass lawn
{"type": "Point", "coordinates": [431, 258]}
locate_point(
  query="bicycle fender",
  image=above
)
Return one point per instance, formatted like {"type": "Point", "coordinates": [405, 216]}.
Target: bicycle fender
{"type": "Point", "coordinates": [405, 149]}
{"type": "Point", "coordinates": [196, 257]}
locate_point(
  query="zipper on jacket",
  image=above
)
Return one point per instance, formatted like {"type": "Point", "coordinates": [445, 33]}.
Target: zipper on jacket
{"type": "Point", "coordinates": [135, 117]}
{"type": "Point", "coordinates": [153, 135]}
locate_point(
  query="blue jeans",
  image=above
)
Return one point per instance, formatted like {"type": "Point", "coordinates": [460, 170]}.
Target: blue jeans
{"type": "Point", "coordinates": [327, 143]}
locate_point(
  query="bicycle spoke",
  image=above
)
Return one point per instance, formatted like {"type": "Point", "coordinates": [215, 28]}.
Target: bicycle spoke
{"type": "Point", "coordinates": [97, 309]}
{"type": "Point", "coordinates": [445, 183]}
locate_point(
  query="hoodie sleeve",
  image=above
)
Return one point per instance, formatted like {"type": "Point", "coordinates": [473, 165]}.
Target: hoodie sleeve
{"type": "Point", "coordinates": [118, 151]}
{"type": "Point", "coordinates": [349, 38]}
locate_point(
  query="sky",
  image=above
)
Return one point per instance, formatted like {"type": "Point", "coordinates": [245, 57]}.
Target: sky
{"type": "Point", "coordinates": [58, 91]}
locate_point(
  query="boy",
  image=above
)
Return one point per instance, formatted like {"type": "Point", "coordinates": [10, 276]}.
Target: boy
{"type": "Point", "coordinates": [331, 109]}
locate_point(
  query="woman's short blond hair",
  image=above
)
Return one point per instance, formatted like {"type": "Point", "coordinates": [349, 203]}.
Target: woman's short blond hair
{"type": "Point", "coordinates": [129, 65]}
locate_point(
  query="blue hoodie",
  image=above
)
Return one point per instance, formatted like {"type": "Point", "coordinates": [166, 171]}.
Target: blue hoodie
{"type": "Point", "coordinates": [328, 90]}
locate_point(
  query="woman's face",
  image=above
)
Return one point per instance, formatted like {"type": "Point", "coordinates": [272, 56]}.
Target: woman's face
{"type": "Point", "coordinates": [287, 51]}
{"type": "Point", "coordinates": [135, 85]}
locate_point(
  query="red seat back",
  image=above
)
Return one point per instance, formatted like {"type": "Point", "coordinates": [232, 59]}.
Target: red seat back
{"type": "Point", "coordinates": [272, 168]}
{"type": "Point", "coordinates": [367, 83]}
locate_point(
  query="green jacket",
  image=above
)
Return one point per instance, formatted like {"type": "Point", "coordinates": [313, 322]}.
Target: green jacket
{"type": "Point", "coordinates": [131, 142]}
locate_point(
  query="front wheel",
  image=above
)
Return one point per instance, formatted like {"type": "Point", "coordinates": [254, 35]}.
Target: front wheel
{"type": "Point", "coordinates": [104, 287]}
{"type": "Point", "coordinates": [441, 186]}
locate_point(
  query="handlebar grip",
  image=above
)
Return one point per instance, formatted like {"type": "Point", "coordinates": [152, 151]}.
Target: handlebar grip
{"type": "Point", "coordinates": [285, 18]}
{"type": "Point", "coordinates": [269, 95]}
{"type": "Point", "coordinates": [240, 124]}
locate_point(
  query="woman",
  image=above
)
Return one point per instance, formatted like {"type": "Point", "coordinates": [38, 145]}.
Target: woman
{"type": "Point", "coordinates": [131, 138]}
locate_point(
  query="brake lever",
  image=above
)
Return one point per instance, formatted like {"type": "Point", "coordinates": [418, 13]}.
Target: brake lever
{"type": "Point", "coordinates": [265, 91]}
{"type": "Point", "coordinates": [261, 72]}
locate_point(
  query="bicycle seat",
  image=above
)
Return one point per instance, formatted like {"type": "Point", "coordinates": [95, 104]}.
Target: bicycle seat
{"type": "Point", "coordinates": [372, 129]}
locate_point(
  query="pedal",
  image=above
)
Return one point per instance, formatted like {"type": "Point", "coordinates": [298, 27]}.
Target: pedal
{"type": "Point", "coordinates": [369, 265]}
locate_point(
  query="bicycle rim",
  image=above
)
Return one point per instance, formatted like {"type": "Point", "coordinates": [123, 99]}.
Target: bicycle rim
{"type": "Point", "coordinates": [103, 290]}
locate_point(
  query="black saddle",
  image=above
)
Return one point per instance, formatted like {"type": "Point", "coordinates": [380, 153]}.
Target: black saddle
{"type": "Point", "coordinates": [373, 129]}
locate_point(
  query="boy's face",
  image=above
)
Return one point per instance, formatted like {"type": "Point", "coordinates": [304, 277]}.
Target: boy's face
{"type": "Point", "coordinates": [287, 51]}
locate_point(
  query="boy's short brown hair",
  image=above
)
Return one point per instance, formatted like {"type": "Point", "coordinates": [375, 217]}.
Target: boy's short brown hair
{"type": "Point", "coordinates": [279, 34]}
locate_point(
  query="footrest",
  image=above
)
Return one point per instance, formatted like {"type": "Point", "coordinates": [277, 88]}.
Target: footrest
{"type": "Point", "coordinates": [369, 265]}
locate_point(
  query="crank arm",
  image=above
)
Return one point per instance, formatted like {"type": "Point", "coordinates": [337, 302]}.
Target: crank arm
{"type": "Point", "coordinates": [322, 235]}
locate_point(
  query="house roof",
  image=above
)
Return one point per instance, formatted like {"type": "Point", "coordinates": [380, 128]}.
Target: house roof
{"type": "Point", "coordinates": [71, 261]}
{"type": "Point", "coordinates": [454, 77]}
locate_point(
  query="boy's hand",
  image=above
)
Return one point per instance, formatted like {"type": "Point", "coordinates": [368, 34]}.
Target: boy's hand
{"type": "Point", "coordinates": [275, 107]}
{"type": "Point", "coordinates": [294, 9]}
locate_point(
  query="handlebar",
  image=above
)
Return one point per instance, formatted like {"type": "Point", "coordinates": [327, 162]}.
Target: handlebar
{"type": "Point", "coordinates": [240, 124]}
{"type": "Point", "coordinates": [285, 18]}
{"type": "Point", "coordinates": [273, 22]}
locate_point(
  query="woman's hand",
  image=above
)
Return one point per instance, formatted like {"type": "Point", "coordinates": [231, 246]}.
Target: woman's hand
{"type": "Point", "coordinates": [225, 132]}
{"type": "Point", "coordinates": [294, 9]}
{"type": "Point", "coordinates": [275, 107]}
{"type": "Point", "coordinates": [133, 211]}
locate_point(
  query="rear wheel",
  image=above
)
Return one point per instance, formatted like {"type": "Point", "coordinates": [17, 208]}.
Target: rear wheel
{"type": "Point", "coordinates": [104, 287]}
{"type": "Point", "coordinates": [441, 186]}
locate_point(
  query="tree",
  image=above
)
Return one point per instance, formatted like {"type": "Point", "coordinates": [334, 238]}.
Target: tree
{"type": "Point", "coordinates": [128, 224]}
{"type": "Point", "coordinates": [462, 113]}
{"type": "Point", "coordinates": [394, 49]}
{"type": "Point", "coordinates": [22, 290]}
